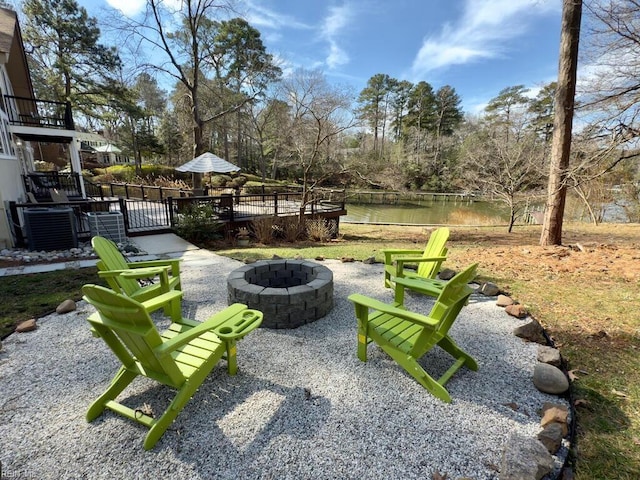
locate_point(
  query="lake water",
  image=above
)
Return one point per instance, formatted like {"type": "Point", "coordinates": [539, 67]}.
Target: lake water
{"type": "Point", "coordinates": [429, 212]}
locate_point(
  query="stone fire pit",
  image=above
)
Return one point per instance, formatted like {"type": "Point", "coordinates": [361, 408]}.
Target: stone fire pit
{"type": "Point", "coordinates": [289, 293]}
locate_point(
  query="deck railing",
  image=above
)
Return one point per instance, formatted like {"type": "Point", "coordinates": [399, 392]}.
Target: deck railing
{"type": "Point", "coordinates": [33, 112]}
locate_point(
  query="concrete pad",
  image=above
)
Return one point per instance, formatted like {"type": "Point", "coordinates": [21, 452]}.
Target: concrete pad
{"type": "Point", "coordinates": [163, 244]}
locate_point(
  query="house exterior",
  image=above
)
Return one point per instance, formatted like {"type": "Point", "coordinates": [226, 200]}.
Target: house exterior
{"type": "Point", "coordinates": [24, 122]}
{"type": "Point", "coordinates": [96, 148]}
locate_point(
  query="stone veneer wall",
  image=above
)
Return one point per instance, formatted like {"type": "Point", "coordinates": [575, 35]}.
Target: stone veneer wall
{"type": "Point", "coordinates": [289, 293]}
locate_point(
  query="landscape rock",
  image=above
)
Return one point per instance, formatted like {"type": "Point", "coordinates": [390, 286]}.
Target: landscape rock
{"type": "Point", "coordinates": [516, 310]}
{"type": "Point", "coordinates": [558, 414]}
{"type": "Point", "coordinates": [532, 332]}
{"type": "Point", "coordinates": [549, 355]}
{"type": "Point", "coordinates": [446, 274]}
{"type": "Point", "coordinates": [524, 458]}
{"type": "Point", "coordinates": [489, 289]}
{"type": "Point", "coordinates": [347, 259]}
{"type": "Point", "coordinates": [320, 258]}
{"type": "Point", "coordinates": [369, 261]}
{"type": "Point", "coordinates": [276, 257]}
{"type": "Point", "coordinates": [66, 307]}
{"type": "Point", "coordinates": [550, 379]}
{"type": "Point", "coordinates": [504, 301]}
{"type": "Point", "coordinates": [551, 437]}
{"type": "Point", "coordinates": [27, 326]}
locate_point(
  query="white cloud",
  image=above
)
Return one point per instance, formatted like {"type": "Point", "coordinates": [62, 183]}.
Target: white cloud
{"type": "Point", "coordinates": [128, 7]}
{"type": "Point", "coordinates": [482, 32]}
{"type": "Point", "coordinates": [332, 26]}
{"type": "Point", "coordinates": [260, 16]}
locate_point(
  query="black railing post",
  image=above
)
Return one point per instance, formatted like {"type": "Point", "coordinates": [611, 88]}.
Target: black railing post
{"type": "Point", "coordinates": [125, 214]}
{"type": "Point", "coordinates": [275, 204]}
{"type": "Point", "coordinates": [68, 117]}
{"type": "Point", "coordinates": [170, 211]}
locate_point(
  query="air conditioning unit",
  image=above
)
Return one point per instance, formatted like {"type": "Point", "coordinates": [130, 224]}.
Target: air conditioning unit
{"type": "Point", "coordinates": [50, 228]}
{"type": "Point", "coordinates": [108, 225]}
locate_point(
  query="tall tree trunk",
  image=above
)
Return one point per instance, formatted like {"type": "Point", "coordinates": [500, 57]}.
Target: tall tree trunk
{"type": "Point", "coordinates": [563, 122]}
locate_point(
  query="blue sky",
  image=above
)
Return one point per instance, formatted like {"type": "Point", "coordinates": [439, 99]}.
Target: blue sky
{"type": "Point", "coordinates": [476, 46]}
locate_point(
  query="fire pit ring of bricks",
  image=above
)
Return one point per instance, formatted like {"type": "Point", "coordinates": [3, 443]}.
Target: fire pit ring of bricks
{"type": "Point", "coordinates": [289, 293]}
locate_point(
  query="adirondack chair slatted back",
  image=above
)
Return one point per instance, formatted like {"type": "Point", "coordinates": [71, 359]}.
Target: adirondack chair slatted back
{"type": "Point", "coordinates": [435, 248]}
{"type": "Point", "coordinates": [126, 327]}
{"type": "Point", "coordinates": [112, 259]}
{"type": "Point", "coordinates": [448, 305]}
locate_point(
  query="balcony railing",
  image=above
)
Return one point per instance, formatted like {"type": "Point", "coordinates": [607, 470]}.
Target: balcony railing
{"type": "Point", "coordinates": [31, 112]}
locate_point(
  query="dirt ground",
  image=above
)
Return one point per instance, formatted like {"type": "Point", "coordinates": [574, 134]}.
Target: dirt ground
{"type": "Point", "coordinates": [587, 250]}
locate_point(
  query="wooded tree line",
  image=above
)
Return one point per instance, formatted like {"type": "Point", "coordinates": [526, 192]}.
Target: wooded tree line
{"type": "Point", "coordinates": [228, 95]}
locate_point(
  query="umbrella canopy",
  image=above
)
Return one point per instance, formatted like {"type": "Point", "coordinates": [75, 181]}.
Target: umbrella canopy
{"type": "Point", "coordinates": [208, 162]}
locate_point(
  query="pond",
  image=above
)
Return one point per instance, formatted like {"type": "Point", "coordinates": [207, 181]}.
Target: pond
{"type": "Point", "coordinates": [430, 212]}
{"type": "Point", "coordinates": [439, 212]}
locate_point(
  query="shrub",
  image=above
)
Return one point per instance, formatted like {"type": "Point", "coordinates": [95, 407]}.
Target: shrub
{"type": "Point", "coordinates": [262, 229]}
{"type": "Point", "coordinates": [197, 224]}
{"type": "Point", "coordinates": [318, 230]}
{"type": "Point", "coordinates": [292, 228]}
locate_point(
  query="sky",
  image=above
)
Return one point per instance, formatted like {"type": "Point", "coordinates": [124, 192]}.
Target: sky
{"type": "Point", "coordinates": [478, 47]}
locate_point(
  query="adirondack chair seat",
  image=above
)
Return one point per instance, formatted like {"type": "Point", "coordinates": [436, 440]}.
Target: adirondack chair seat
{"type": "Point", "coordinates": [123, 277]}
{"type": "Point", "coordinates": [407, 336]}
{"type": "Point", "coordinates": [180, 357]}
{"type": "Point", "coordinates": [428, 260]}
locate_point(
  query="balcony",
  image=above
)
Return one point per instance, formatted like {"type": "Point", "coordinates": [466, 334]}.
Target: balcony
{"type": "Point", "coordinates": [31, 112]}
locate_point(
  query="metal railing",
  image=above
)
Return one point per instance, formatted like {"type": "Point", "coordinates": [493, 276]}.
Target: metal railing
{"type": "Point", "coordinates": [243, 208]}
{"type": "Point", "coordinates": [33, 112]}
{"type": "Point", "coordinates": [41, 183]}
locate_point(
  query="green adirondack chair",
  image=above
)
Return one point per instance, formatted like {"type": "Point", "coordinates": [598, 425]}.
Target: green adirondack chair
{"type": "Point", "coordinates": [123, 277]}
{"type": "Point", "coordinates": [429, 261]}
{"type": "Point", "coordinates": [407, 336]}
{"type": "Point", "coordinates": [181, 357]}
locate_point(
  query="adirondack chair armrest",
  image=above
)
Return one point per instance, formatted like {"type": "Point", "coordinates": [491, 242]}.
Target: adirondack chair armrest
{"type": "Point", "coordinates": [373, 304]}
{"type": "Point", "coordinates": [173, 263]}
{"type": "Point", "coordinates": [216, 321]}
{"type": "Point", "coordinates": [420, 285]}
{"type": "Point", "coordinates": [139, 273]}
{"type": "Point", "coordinates": [400, 260]}
{"type": "Point", "coordinates": [161, 300]}
{"type": "Point", "coordinates": [390, 252]}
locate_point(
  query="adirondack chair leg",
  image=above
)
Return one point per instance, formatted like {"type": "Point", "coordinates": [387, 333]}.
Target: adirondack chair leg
{"type": "Point", "coordinates": [232, 360]}
{"type": "Point", "coordinates": [398, 296]}
{"type": "Point", "coordinates": [362, 314]}
{"type": "Point", "coordinates": [174, 310]}
{"type": "Point", "coordinates": [387, 280]}
{"type": "Point", "coordinates": [161, 424]}
{"type": "Point", "coordinates": [122, 379]}
{"type": "Point", "coordinates": [449, 346]}
{"type": "Point", "coordinates": [413, 368]}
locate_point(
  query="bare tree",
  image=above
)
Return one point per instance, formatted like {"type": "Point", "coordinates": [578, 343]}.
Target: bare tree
{"type": "Point", "coordinates": [563, 123]}
{"type": "Point", "coordinates": [320, 113]}
{"type": "Point", "coordinates": [493, 163]}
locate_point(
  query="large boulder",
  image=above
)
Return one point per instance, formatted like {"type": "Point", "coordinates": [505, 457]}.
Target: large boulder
{"type": "Point", "coordinates": [524, 458]}
{"type": "Point", "coordinates": [550, 379]}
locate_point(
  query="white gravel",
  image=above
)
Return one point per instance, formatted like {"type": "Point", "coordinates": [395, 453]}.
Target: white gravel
{"type": "Point", "coordinates": [301, 406]}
